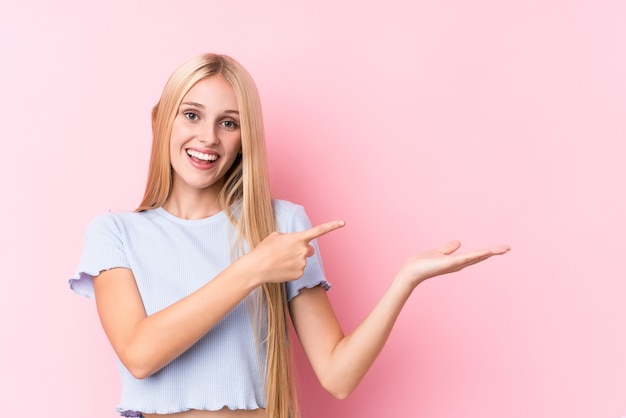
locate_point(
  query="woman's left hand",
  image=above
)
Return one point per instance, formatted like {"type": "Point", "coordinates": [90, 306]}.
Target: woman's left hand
{"type": "Point", "coordinates": [444, 260]}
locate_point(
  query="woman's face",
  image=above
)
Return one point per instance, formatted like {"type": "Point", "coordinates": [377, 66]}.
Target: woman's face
{"type": "Point", "coordinates": [206, 137]}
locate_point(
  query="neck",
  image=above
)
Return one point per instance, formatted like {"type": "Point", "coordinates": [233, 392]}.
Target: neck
{"type": "Point", "coordinates": [193, 204]}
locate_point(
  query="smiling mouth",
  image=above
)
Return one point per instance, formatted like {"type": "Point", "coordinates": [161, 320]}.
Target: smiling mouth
{"type": "Point", "coordinates": [202, 157]}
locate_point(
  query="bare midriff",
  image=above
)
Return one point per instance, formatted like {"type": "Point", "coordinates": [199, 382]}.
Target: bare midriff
{"type": "Point", "coordinates": [222, 413]}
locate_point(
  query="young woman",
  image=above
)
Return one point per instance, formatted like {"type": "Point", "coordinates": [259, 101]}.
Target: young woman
{"type": "Point", "coordinates": [193, 288]}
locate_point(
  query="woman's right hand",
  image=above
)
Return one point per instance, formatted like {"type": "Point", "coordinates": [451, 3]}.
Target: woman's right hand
{"type": "Point", "coordinates": [282, 257]}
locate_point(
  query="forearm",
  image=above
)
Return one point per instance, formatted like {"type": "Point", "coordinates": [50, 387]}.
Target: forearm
{"type": "Point", "coordinates": [339, 361]}
{"type": "Point", "coordinates": [145, 344]}
{"type": "Point", "coordinates": [356, 352]}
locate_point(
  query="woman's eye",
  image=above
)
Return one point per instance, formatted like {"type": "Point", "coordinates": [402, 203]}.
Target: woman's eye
{"type": "Point", "coordinates": [191, 115]}
{"type": "Point", "coordinates": [230, 124]}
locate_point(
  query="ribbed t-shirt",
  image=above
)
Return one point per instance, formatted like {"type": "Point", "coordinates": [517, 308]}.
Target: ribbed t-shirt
{"type": "Point", "coordinates": [170, 258]}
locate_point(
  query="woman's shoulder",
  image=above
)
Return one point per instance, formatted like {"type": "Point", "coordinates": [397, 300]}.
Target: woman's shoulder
{"type": "Point", "coordinates": [121, 216]}
{"type": "Point", "coordinates": [290, 216]}
{"type": "Point", "coordinates": [286, 209]}
{"type": "Point", "coordinates": [118, 220]}
{"type": "Point", "coordinates": [285, 205]}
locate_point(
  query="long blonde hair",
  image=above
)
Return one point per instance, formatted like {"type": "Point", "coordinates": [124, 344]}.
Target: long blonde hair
{"type": "Point", "coordinates": [247, 185]}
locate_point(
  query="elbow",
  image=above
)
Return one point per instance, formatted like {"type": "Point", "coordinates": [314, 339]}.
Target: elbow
{"type": "Point", "coordinates": [137, 366]}
{"type": "Point", "coordinates": [138, 373]}
{"type": "Point", "coordinates": [341, 395]}
{"type": "Point", "coordinates": [137, 369]}
{"type": "Point", "coordinates": [339, 390]}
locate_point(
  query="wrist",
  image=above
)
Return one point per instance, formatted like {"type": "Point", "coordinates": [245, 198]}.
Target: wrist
{"type": "Point", "coordinates": [246, 270]}
{"type": "Point", "coordinates": [405, 283]}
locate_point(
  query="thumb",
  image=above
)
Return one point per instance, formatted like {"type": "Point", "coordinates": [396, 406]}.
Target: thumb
{"type": "Point", "coordinates": [449, 247]}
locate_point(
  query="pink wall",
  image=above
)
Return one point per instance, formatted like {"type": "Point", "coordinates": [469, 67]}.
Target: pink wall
{"type": "Point", "coordinates": [416, 122]}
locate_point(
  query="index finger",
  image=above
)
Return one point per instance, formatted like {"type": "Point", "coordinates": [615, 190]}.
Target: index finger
{"type": "Point", "coordinates": [319, 230]}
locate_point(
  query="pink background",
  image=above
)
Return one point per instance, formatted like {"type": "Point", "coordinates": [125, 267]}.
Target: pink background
{"type": "Point", "coordinates": [415, 121]}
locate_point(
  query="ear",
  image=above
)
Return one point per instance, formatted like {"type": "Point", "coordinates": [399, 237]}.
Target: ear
{"type": "Point", "coordinates": [155, 109]}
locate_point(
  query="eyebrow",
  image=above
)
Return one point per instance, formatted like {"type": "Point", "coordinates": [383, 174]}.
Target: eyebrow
{"type": "Point", "coordinates": [201, 106]}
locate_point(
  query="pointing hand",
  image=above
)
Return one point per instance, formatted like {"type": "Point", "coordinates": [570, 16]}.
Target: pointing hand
{"type": "Point", "coordinates": [282, 257]}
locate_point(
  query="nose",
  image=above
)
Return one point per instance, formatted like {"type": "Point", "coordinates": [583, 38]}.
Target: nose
{"type": "Point", "coordinates": [208, 135]}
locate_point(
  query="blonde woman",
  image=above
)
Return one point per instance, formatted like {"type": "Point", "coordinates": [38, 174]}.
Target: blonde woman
{"type": "Point", "coordinates": [193, 287]}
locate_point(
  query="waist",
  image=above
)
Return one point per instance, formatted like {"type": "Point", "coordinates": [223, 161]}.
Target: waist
{"type": "Point", "coordinates": [222, 413]}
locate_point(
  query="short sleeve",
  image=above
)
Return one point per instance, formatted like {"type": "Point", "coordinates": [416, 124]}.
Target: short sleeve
{"type": "Point", "coordinates": [103, 250]}
{"type": "Point", "coordinates": [297, 220]}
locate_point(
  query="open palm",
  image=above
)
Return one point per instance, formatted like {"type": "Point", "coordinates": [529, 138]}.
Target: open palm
{"type": "Point", "coordinates": [444, 260]}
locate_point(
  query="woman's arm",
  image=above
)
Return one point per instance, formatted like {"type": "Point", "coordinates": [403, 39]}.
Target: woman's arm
{"type": "Point", "coordinates": [339, 361]}
{"type": "Point", "coordinates": [145, 343]}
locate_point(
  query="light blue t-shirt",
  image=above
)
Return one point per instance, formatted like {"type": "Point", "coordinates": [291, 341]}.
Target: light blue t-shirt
{"type": "Point", "coordinates": [170, 258]}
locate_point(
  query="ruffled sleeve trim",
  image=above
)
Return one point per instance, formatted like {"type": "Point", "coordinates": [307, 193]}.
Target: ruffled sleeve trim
{"type": "Point", "coordinates": [295, 292]}
{"type": "Point", "coordinates": [104, 249]}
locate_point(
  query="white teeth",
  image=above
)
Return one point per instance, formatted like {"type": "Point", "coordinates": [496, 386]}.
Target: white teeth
{"type": "Point", "coordinates": [201, 155]}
